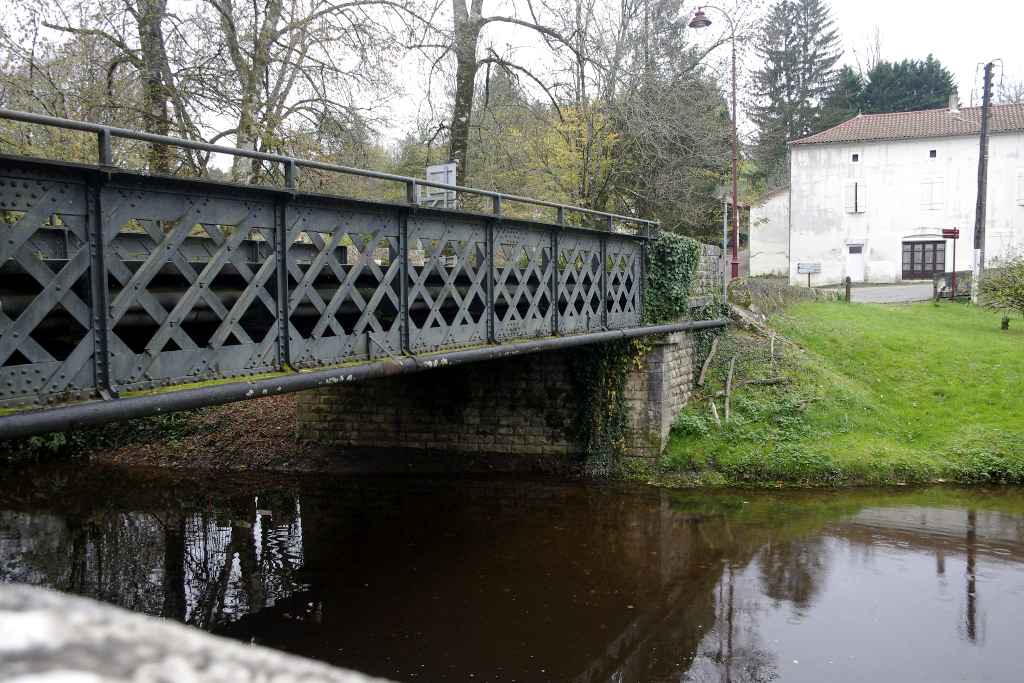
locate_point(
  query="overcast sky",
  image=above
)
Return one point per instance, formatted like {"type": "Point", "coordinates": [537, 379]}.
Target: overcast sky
{"type": "Point", "coordinates": [960, 34]}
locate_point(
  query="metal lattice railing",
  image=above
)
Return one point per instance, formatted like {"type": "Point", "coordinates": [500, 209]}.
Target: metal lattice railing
{"type": "Point", "coordinates": [113, 281]}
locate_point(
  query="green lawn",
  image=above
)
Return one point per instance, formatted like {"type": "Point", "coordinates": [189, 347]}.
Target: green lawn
{"type": "Point", "coordinates": [877, 394]}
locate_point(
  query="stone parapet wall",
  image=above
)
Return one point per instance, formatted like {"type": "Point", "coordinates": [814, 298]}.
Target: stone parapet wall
{"type": "Point", "coordinates": [708, 280]}
{"type": "Point", "coordinates": [50, 636]}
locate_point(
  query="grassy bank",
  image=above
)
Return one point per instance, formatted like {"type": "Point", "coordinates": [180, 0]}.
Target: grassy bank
{"type": "Point", "coordinates": [869, 394]}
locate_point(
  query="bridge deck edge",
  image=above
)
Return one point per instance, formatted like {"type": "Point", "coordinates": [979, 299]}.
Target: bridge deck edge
{"type": "Point", "coordinates": [90, 413]}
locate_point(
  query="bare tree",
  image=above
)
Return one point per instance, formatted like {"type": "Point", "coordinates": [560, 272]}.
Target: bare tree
{"type": "Point", "coordinates": [247, 71]}
{"type": "Point", "coordinates": [468, 24]}
{"type": "Point", "coordinates": [650, 131]}
{"type": "Point", "coordinates": [1010, 92]}
{"type": "Point", "coordinates": [321, 62]}
{"type": "Point", "coordinates": [134, 31]}
{"type": "Point", "coordinates": [70, 78]}
{"type": "Point", "coordinates": [870, 54]}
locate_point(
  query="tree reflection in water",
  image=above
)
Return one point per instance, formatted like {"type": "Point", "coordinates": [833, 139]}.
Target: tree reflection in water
{"type": "Point", "coordinates": [202, 568]}
{"type": "Point", "coordinates": [793, 571]}
{"type": "Point", "coordinates": [537, 581]}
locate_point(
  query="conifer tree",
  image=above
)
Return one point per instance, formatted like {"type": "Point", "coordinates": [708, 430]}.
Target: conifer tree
{"type": "Point", "coordinates": [909, 85]}
{"type": "Point", "coordinates": [843, 102]}
{"type": "Point", "coordinates": [800, 48]}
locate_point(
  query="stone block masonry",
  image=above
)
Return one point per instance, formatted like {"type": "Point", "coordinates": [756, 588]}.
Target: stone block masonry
{"type": "Point", "coordinates": [708, 279]}
{"type": "Point", "coordinates": [524, 406]}
{"type": "Point", "coordinates": [657, 390]}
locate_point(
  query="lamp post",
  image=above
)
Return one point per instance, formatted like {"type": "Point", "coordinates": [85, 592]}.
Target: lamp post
{"type": "Point", "coordinates": [700, 20]}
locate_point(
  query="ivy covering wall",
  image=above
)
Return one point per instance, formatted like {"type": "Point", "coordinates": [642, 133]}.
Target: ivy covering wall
{"type": "Point", "coordinates": [600, 371]}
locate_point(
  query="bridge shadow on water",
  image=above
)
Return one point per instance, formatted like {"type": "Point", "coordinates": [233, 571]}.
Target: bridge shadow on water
{"type": "Point", "coordinates": [444, 579]}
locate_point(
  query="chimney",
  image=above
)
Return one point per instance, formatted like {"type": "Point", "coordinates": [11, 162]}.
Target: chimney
{"type": "Point", "coordinates": [954, 102]}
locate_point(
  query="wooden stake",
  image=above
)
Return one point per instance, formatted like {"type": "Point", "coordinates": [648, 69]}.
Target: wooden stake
{"type": "Point", "coordinates": [707, 362]}
{"type": "Point", "coordinates": [773, 350]}
{"type": "Point", "coordinates": [714, 413]}
{"type": "Point", "coordinates": [728, 387]}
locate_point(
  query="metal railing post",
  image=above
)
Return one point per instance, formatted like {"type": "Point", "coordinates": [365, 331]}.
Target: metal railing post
{"type": "Point", "coordinates": [491, 276]}
{"type": "Point", "coordinates": [403, 285]}
{"type": "Point", "coordinates": [561, 215]}
{"type": "Point", "coordinates": [284, 359]}
{"type": "Point", "coordinates": [105, 147]}
{"type": "Point", "coordinates": [290, 174]}
{"type": "Point", "coordinates": [642, 284]}
{"type": "Point", "coordinates": [99, 295]}
{"type": "Point", "coordinates": [604, 281]}
{"type": "Point", "coordinates": [556, 280]}
{"type": "Point", "coordinates": [410, 193]}
{"type": "Point", "coordinates": [497, 205]}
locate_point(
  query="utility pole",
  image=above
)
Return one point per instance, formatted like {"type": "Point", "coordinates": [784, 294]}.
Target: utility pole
{"type": "Point", "coordinates": [725, 248]}
{"type": "Point", "coordinates": [735, 167]}
{"type": "Point", "coordinates": [979, 212]}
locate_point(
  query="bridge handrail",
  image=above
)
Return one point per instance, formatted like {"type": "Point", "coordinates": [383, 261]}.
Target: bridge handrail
{"type": "Point", "coordinates": [105, 134]}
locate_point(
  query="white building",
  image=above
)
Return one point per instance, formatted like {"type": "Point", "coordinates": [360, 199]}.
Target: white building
{"type": "Point", "coordinates": [769, 234]}
{"type": "Point", "coordinates": [869, 198]}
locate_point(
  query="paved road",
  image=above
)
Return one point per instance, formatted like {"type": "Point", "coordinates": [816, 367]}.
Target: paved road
{"type": "Point", "coordinates": [892, 294]}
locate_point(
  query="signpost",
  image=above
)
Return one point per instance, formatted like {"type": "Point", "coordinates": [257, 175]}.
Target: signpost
{"type": "Point", "coordinates": [439, 197]}
{"type": "Point", "coordinates": [952, 234]}
{"type": "Point", "coordinates": [809, 268]}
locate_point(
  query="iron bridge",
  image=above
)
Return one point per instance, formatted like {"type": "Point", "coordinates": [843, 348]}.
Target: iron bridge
{"type": "Point", "coordinates": [114, 283]}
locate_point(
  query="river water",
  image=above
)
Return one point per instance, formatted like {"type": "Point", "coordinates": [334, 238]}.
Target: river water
{"type": "Point", "coordinates": [520, 580]}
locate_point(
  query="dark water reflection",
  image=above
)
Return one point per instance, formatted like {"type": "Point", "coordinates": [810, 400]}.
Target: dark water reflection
{"type": "Point", "coordinates": [517, 580]}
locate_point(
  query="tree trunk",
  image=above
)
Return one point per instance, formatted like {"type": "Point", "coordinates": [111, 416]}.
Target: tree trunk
{"type": "Point", "coordinates": [175, 604]}
{"type": "Point", "coordinates": [467, 33]}
{"type": "Point", "coordinates": [245, 138]}
{"type": "Point", "coordinates": [154, 90]}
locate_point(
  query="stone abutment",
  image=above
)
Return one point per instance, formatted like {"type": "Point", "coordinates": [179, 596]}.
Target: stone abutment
{"type": "Point", "coordinates": [524, 405]}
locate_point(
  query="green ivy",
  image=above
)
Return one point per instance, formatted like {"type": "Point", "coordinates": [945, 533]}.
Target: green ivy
{"type": "Point", "coordinates": [600, 371]}
{"type": "Point", "coordinates": [671, 266]}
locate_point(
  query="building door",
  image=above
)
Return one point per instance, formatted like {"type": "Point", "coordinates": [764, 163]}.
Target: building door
{"type": "Point", "coordinates": [921, 260]}
{"type": "Point", "coordinates": [855, 262]}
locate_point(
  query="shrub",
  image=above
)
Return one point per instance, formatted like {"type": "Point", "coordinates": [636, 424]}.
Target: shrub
{"type": "Point", "coordinates": [1003, 289]}
{"type": "Point", "coordinates": [691, 423]}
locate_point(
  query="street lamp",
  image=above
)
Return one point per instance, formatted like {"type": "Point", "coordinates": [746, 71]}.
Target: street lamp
{"type": "Point", "coordinates": [700, 20]}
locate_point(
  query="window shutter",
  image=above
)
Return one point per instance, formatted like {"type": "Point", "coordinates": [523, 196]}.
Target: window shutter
{"type": "Point", "coordinates": [932, 197]}
{"type": "Point", "coordinates": [850, 197]}
{"type": "Point", "coordinates": [1020, 187]}
{"type": "Point", "coordinates": [862, 197]}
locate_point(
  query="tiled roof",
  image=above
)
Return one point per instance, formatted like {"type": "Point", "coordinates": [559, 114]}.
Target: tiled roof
{"type": "Point", "coordinates": [930, 123]}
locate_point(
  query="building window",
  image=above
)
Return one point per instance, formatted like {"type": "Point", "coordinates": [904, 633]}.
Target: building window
{"type": "Point", "coordinates": [932, 196]}
{"type": "Point", "coordinates": [921, 260]}
{"type": "Point", "coordinates": [855, 197]}
{"type": "Point", "coordinates": [932, 153]}
{"type": "Point", "coordinates": [856, 158]}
